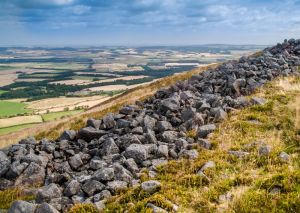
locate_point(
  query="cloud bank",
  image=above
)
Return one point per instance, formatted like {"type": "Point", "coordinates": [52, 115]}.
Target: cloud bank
{"type": "Point", "coordinates": [60, 22]}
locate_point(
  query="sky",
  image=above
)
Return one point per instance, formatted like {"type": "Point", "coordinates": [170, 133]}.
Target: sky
{"type": "Point", "coordinates": [147, 22]}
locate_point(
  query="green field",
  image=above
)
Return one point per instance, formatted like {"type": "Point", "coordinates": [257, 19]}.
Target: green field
{"type": "Point", "coordinates": [57, 115]}
{"type": "Point", "coordinates": [10, 129]}
{"type": "Point", "coordinates": [4, 67]}
{"type": "Point", "coordinates": [8, 108]}
{"type": "Point", "coordinates": [2, 91]}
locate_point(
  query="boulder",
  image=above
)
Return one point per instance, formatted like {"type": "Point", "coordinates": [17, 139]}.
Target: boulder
{"type": "Point", "coordinates": [164, 126]}
{"type": "Point", "coordinates": [47, 193]}
{"type": "Point", "coordinates": [90, 133]}
{"type": "Point", "coordinates": [151, 186]}
{"type": "Point", "coordinates": [45, 208]}
{"type": "Point", "coordinates": [204, 130]}
{"type": "Point", "coordinates": [117, 185]}
{"type": "Point", "coordinates": [169, 136]}
{"type": "Point", "coordinates": [72, 188]}
{"type": "Point", "coordinates": [22, 207]}
{"type": "Point", "coordinates": [105, 174]}
{"type": "Point", "coordinates": [136, 151]}
{"type": "Point", "coordinates": [68, 135]}
{"type": "Point", "coordinates": [4, 163]}
{"type": "Point", "coordinates": [92, 186]}
{"type": "Point", "coordinates": [75, 161]}
{"type": "Point", "coordinates": [109, 147]}
{"type": "Point", "coordinates": [34, 174]}
{"type": "Point", "coordinates": [93, 123]}
{"type": "Point", "coordinates": [109, 121]}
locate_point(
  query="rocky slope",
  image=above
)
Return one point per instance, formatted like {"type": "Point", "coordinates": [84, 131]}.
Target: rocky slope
{"type": "Point", "coordinates": [109, 154]}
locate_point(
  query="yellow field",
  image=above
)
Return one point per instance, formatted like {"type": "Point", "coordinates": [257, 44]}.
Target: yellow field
{"type": "Point", "coordinates": [59, 104]}
{"type": "Point", "coordinates": [7, 122]}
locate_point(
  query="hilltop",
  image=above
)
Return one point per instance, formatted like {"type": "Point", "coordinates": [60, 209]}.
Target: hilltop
{"type": "Point", "coordinates": [202, 144]}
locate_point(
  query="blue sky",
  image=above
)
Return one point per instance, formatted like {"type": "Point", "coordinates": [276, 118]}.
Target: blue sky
{"type": "Point", "coordinates": [147, 22]}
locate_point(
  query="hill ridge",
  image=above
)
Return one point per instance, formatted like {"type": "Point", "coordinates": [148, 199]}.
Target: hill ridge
{"type": "Point", "coordinates": [109, 154]}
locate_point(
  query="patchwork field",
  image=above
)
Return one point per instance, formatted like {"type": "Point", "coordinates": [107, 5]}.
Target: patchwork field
{"type": "Point", "coordinates": [9, 108]}
{"type": "Point", "coordinates": [61, 103]}
{"type": "Point", "coordinates": [57, 115]}
{"type": "Point", "coordinates": [20, 120]}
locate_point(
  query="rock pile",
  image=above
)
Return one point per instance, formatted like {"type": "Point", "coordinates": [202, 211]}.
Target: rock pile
{"type": "Point", "coordinates": [108, 154]}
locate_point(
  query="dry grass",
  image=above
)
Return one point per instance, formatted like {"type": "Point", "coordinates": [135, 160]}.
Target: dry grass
{"type": "Point", "coordinates": [19, 120]}
{"type": "Point", "coordinates": [249, 181]}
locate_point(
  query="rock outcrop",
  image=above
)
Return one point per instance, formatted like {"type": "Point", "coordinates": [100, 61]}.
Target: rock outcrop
{"type": "Point", "coordinates": [108, 154]}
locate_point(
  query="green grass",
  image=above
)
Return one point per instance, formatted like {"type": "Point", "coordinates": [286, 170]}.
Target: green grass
{"type": "Point", "coordinates": [2, 92]}
{"type": "Point", "coordinates": [7, 197]}
{"type": "Point", "coordinates": [8, 108]}
{"type": "Point", "coordinates": [7, 130]}
{"type": "Point", "coordinates": [6, 67]}
{"type": "Point", "coordinates": [57, 115]}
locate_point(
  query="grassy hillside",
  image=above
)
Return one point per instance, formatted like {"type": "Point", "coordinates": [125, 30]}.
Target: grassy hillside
{"type": "Point", "coordinates": [55, 128]}
{"type": "Point", "coordinates": [255, 183]}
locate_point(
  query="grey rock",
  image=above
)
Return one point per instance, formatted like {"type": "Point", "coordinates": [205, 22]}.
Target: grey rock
{"type": "Point", "coordinates": [90, 133]}
{"type": "Point", "coordinates": [151, 186]}
{"type": "Point", "coordinates": [22, 207]}
{"type": "Point", "coordinates": [28, 141]}
{"type": "Point", "coordinates": [103, 195]}
{"type": "Point", "coordinates": [127, 110]}
{"type": "Point", "coordinates": [123, 123]}
{"type": "Point", "coordinates": [16, 169]}
{"type": "Point", "coordinates": [4, 163]}
{"type": "Point", "coordinates": [131, 165]}
{"type": "Point", "coordinates": [258, 101]}
{"type": "Point", "coordinates": [190, 154]}
{"type": "Point", "coordinates": [204, 130]}
{"type": "Point", "coordinates": [163, 151]}
{"type": "Point", "coordinates": [72, 188]}
{"type": "Point", "coordinates": [34, 174]}
{"type": "Point", "coordinates": [136, 151]}
{"type": "Point", "coordinates": [121, 173]}
{"type": "Point", "coordinates": [238, 84]}
{"type": "Point", "coordinates": [264, 150]}
{"type": "Point", "coordinates": [164, 126]}
{"type": "Point", "coordinates": [155, 209]}
{"type": "Point", "coordinates": [170, 104]}
{"type": "Point", "coordinates": [186, 95]}
{"type": "Point", "coordinates": [47, 193]}
{"type": "Point", "coordinates": [105, 174]}
{"type": "Point", "coordinates": [207, 165]}
{"type": "Point", "coordinates": [188, 113]}
{"type": "Point", "coordinates": [117, 185]}
{"type": "Point", "coordinates": [100, 205]}
{"type": "Point", "coordinates": [68, 135]}
{"type": "Point", "coordinates": [239, 154]}
{"type": "Point", "coordinates": [284, 157]}
{"type": "Point", "coordinates": [169, 136]}
{"type": "Point", "coordinates": [45, 208]}
{"type": "Point", "coordinates": [204, 143]}
{"type": "Point", "coordinates": [75, 161]}
{"type": "Point", "coordinates": [109, 147]}
{"type": "Point", "coordinates": [93, 123]}
{"type": "Point", "coordinates": [109, 121]}
{"type": "Point", "coordinates": [149, 122]}
{"type": "Point", "coordinates": [97, 164]}
{"type": "Point", "coordinates": [92, 186]}
{"type": "Point", "coordinates": [220, 115]}
{"type": "Point", "coordinates": [138, 130]}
